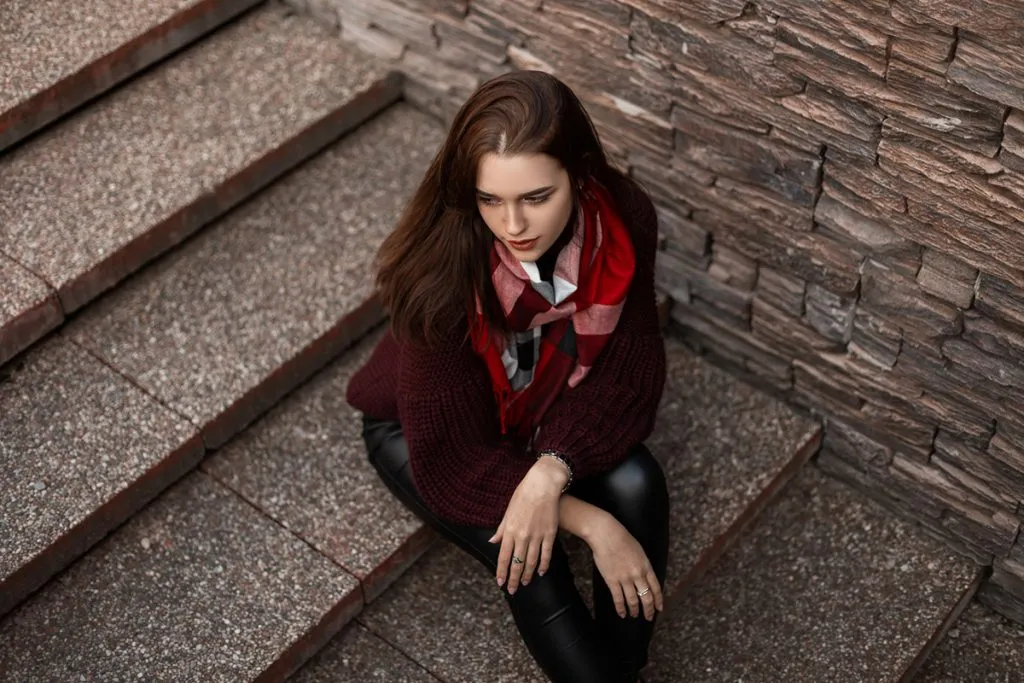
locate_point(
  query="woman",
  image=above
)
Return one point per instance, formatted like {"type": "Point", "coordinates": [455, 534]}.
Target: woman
{"type": "Point", "coordinates": [523, 369]}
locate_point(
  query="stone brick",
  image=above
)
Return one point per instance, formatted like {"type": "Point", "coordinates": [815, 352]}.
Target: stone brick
{"type": "Point", "coordinates": [1009, 452]}
{"type": "Point", "coordinates": [679, 186]}
{"type": "Point", "coordinates": [702, 288]}
{"type": "Point", "coordinates": [1005, 481]}
{"type": "Point", "coordinates": [903, 301]}
{"type": "Point", "coordinates": [959, 415]}
{"type": "Point", "coordinates": [1006, 372]}
{"type": "Point", "coordinates": [947, 278]}
{"type": "Point", "coordinates": [639, 130]}
{"type": "Point", "coordinates": [781, 330]}
{"type": "Point", "coordinates": [994, 338]}
{"type": "Point", "coordinates": [919, 42]}
{"type": "Point", "coordinates": [372, 40]}
{"type": "Point", "coordinates": [850, 126]}
{"type": "Point", "coordinates": [721, 100]}
{"type": "Point", "coordinates": [781, 291]}
{"type": "Point", "coordinates": [987, 17]}
{"type": "Point", "coordinates": [410, 26]}
{"type": "Point", "coordinates": [830, 314]}
{"type": "Point", "coordinates": [875, 338]}
{"type": "Point", "coordinates": [466, 42]}
{"type": "Point", "coordinates": [682, 235]}
{"type": "Point", "coordinates": [597, 24]}
{"type": "Point", "coordinates": [991, 68]}
{"type": "Point", "coordinates": [741, 346]}
{"type": "Point", "coordinates": [929, 100]}
{"type": "Point", "coordinates": [430, 72]}
{"type": "Point", "coordinates": [707, 11]}
{"type": "Point", "coordinates": [864, 188]}
{"type": "Point", "coordinates": [733, 268]}
{"type": "Point", "coordinates": [999, 299]}
{"type": "Point", "coordinates": [870, 237]}
{"type": "Point", "coordinates": [1012, 152]}
{"type": "Point", "coordinates": [791, 174]}
{"type": "Point", "coordinates": [854, 447]}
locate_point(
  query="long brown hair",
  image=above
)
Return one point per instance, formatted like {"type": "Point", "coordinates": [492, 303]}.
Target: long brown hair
{"type": "Point", "coordinates": [436, 263]}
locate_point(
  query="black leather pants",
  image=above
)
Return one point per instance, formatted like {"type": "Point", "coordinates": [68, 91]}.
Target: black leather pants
{"type": "Point", "coordinates": [568, 643]}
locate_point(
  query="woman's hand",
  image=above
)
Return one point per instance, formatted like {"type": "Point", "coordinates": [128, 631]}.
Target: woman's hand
{"type": "Point", "coordinates": [625, 568]}
{"type": "Point", "coordinates": [530, 525]}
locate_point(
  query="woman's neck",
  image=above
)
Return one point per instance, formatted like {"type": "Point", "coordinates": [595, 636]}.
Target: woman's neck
{"type": "Point", "coordinates": [547, 262]}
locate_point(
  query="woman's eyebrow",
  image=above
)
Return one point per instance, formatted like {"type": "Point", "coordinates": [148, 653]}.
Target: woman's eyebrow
{"type": "Point", "coordinates": [539, 190]}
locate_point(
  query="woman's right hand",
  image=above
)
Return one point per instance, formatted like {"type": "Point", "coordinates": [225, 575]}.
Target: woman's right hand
{"type": "Point", "coordinates": [625, 568]}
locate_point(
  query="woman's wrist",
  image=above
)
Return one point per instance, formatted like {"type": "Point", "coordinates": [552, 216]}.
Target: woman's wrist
{"type": "Point", "coordinates": [559, 466]}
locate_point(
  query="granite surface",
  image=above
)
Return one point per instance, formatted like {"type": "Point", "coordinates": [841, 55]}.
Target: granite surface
{"type": "Point", "coordinates": [827, 586]}
{"type": "Point", "coordinates": [448, 614]}
{"type": "Point", "coordinates": [304, 465]}
{"type": "Point", "coordinates": [28, 308]}
{"type": "Point", "coordinates": [92, 190]}
{"type": "Point", "coordinates": [721, 443]}
{"type": "Point", "coordinates": [982, 647]}
{"type": "Point", "coordinates": [45, 41]}
{"type": "Point", "coordinates": [74, 435]}
{"type": "Point", "coordinates": [358, 656]}
{"type": "Point", "coordinates": [207, 326]}
{"type": "Point", "coordinates": [197, 587]}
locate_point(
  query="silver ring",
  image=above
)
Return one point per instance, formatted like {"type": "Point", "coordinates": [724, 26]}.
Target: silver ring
{"type": "Point", "coordinates": [516, 560]}
{"type": "Point", "coordinates": [643, 592]}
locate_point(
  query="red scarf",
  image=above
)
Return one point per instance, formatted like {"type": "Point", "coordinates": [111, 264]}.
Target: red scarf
{"type": "Point", "coordinates": [599, 261]}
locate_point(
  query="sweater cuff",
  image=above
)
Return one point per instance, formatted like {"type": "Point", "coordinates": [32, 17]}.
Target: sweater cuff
{"type": "Point", "coordinates": [562, 458]}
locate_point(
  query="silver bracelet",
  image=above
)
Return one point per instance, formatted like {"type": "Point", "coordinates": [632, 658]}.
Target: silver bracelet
{"type": "Point", "coordinates": [557, 456]}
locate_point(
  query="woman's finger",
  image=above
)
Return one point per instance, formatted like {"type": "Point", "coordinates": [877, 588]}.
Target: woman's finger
{"type": "Point", "coordinates": [504, 556]}
{"type": "Point", "coordinates": [615, 588]}
{"type": "Point", "coordinates": [647, 599]}
{"type": "Point", "coordinates": [532, 558]}
{"type": "Point", "coordinates": [546, 548]}
{"type": "Point", "coordinates": [659, 599]}
{"type": "Point", "coordinates": [522, 545]}
{"type": "Point", "coordinates": [629, 588]}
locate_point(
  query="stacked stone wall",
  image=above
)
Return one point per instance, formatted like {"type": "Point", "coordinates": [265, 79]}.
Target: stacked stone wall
{"type": "Point", "coordinates": [841, 195]}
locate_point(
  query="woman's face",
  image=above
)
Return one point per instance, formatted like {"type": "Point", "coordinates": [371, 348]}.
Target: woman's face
{"type": "Point", "coordinates": [525, 199]}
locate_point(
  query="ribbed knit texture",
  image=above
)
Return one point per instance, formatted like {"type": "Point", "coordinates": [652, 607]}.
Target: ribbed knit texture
{"type": "Point", "coordinates": [463, 468]}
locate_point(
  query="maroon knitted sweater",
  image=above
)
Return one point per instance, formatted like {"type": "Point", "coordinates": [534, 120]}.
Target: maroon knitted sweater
{"type": "Point", "coordinates": [463, 468]}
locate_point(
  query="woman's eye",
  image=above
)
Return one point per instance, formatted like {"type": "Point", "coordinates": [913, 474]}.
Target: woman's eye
{"type": "Point", "coordinates": [489, 201]}
{"type": "Point", "coordinates": [536, 200]}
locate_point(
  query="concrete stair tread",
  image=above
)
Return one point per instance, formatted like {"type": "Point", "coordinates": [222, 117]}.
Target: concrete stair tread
{"type": "Point", "coordinates": [150, 163]}
{"type": "Point", "coordinates": [197, 586]}
{"type": "Point", "coordinates": [80, 449]}
{"type": "Point", "coordinates": [57, 56]}
{"type": "Point", "coordinates": [726, 448]}
{"type": "Point", "coordinates": [27, 306]}
{"type": "Point", "coordinates": [211, 330]}
{"type": "Point", "coordinates": [828, 585]}
{"type": "Point", "coordinates": [216, 332]}
{"type": "Point", "coordinates": [358, 656]}
{"type": "Point", "coordinates": [982, 647]}
{"type": "Point", "coordinates": [304, 465]}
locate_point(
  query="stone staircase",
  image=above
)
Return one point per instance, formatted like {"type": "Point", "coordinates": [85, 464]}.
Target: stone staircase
{"type": "Point", "coordinates": [190, 197]}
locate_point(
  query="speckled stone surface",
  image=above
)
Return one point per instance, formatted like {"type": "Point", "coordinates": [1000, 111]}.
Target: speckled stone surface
{"type": "Point", "coordinates": [448, 614]}
{"type": "Point", "coordinates": [199, 586]}
{"type": "Point", "coordinates": [28, 309]}
{"type": "Point", "coordinates": [45, 41]}
{"type": "Point", "coordinates": [722, 444]}
{"type": "Point", "coordinates": [206, 327]}
{"type": "Point", "coordinates": [982, 647]}
{"type": "Point", "coordinates": [75, 439]}
{"type": "Point", "coordinates": [358, 656]}
{"type": "Point", "coordinates": [304, 464]}
{"type": "Point", "coordinates": [88, 195]}
{"type": "Point", "coordinates": [827, 586]}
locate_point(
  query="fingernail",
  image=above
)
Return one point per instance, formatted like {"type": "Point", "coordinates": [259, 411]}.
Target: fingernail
{"type": "Point", "coordinates": [511, 591]}
{"type": "Point", "coordinates": [540, 573]}
{"type": "Point", "coordinates": [501, 581]}
{"type": "Point", "coordinates": [526, 583]}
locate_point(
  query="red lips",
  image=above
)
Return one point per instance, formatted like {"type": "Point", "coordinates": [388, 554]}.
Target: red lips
{"type": "Point", "coordinates": [523, 246]}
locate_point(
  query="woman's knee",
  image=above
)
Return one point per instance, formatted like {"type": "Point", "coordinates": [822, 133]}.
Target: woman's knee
{"type": "Point", "coordinates": [639, 477]}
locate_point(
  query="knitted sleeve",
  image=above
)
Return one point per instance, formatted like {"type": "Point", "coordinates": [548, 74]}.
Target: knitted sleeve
{"type": "Point", "coordinates": [464, 470]}
{"type": "Point", "coordinates": [594, 424]}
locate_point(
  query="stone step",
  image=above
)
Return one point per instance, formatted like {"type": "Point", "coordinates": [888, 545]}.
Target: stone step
{"type": "Point", "coordinates": [210, 336]}
{"type": "Point", "coordinates": [199, 586]}
{"type": "Point", "coordinates": [827, 586]}
{"type": "Point", "coordinates": [94, 198]}
{"type": "Point", "coordinates": [982, 647]}
{"type": "Point", "coordinates": [726, 449]}
{"type": "Point", "coordinates": [57, 56]}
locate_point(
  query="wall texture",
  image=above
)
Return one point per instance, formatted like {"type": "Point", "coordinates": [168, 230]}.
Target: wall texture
{"type": "Point", "coordinates": [841, 193]}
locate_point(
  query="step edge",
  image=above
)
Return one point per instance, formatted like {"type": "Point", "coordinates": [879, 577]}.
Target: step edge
{"type": "Point", "coordinates": [105, 72]}
{"type": "Point", "coordinates": [37, 572]}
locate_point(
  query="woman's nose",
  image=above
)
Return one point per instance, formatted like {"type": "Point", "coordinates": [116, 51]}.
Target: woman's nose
{"type": "Point", "coordinates": [514, 223]}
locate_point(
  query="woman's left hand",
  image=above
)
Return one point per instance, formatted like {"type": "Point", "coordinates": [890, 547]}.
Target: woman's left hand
{"type": "Point", "coordinates": [530, 525]}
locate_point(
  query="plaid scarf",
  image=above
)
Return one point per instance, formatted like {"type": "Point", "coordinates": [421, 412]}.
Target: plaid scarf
{"type": "Point", "coordinates": [558, 329]}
